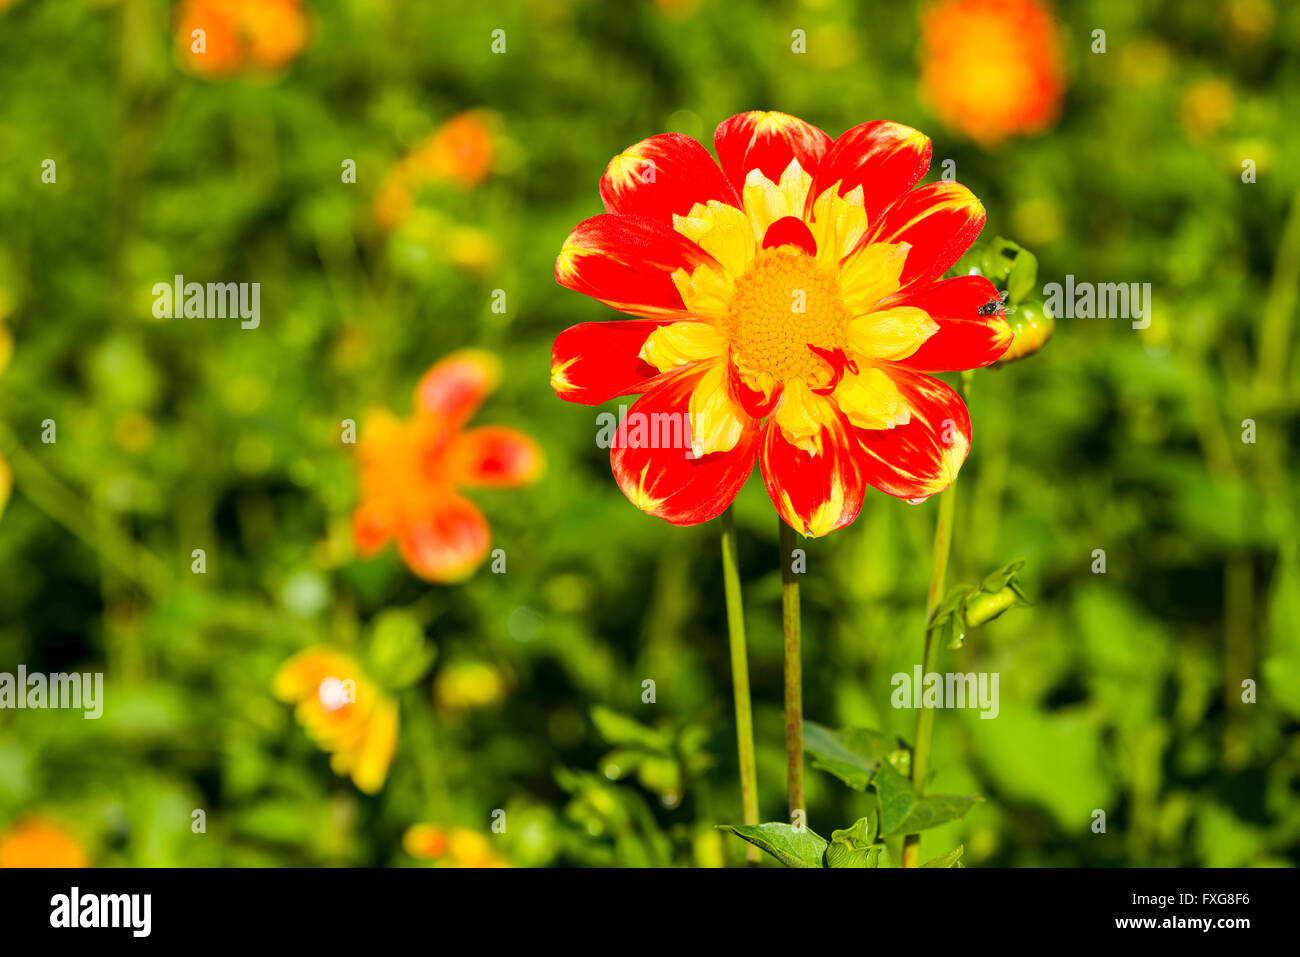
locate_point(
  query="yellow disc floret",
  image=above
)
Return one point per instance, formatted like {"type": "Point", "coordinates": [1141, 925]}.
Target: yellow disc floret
{"type": "Point", "coordinates": [784, 303]}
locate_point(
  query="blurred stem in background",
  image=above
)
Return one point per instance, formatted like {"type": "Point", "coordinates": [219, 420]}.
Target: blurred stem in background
{"type": "Point", "coordinates": [1279, 310]}
{"type": "Point", "coordinates": [938, 573]}
{"type": "Point", "coordinates": [793, 674]}
{"type": "Point", "coordinates": [66, 507]}
{"type": "Point", "coordinates": [740, 679]}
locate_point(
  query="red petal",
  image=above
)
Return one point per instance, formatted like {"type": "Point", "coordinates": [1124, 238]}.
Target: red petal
{"type": "Point", "coordinates": [596, 361]}
{"type": "Point", "coordinates": [494, 455]}
{"type": "Point", "coordinates": [767, 141]}
{"type": "Point", "coordinates": [790, 231]}
{"type": "Point", "coordinates": [627, 262]}
{"type": "Point", "coordinates": [666, 481]}
{"type": "Point", "coordinates": [815, 494]}
{"type": "Point", "coordinates": [756, 403]}
{"type": "Point", "coordinates": [886, 159]}
{"type": "Point", "coordinates": [371, 527]}
{"type": "Point", "coordinates": [916, 460]}
{"type": "Point", "coordinates": [456, 386]}
{"type": "Point", "coordinates": [838, 360]}
{"type": "Point", "coordinates": [939, 221]}
{"type": "Point", "coordinates": [449, 543]}
{"type": "Point", "coordinates": [965, 340]}
{"type": "Point", "coordinates": [661, 176]}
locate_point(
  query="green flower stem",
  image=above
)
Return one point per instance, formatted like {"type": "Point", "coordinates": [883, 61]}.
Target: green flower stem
{"type": "Point", "coordinates": [925, 716]}
{"type": "Point", "coordinates": [740, 679]}
{"type": "Point", "coordinates": [793, 673]}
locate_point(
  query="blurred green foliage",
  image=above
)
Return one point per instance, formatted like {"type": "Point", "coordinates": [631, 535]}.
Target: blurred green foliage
{"type": "Point", "coordinates": [1119, 691]}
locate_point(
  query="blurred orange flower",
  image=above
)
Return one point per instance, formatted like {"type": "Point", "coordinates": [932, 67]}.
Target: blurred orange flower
{"type": "Point", "coordinates": [462, 151]}
{"type": "Point", "coordinates": [451, 847]}
{"type": "Point", "coordinates": [992, 68]}
{"type": "Point", "coordinates": [239, 35]}
{"type": "Point", "coordinates": [343, 711]}
{"type": "Point", "coordinates": [411, 471]}
{"type": "Point", "coordinates": [37, 842]}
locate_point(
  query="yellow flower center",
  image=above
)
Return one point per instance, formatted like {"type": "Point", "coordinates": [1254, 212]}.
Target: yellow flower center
{"type": "Point", "coordinates": [784, 303]}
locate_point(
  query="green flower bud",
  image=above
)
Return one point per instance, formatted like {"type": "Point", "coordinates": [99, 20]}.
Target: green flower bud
{"type": "Point", "coordinates": [984, 607]}
{"type": "Point", "coordinates": [1033, 326]}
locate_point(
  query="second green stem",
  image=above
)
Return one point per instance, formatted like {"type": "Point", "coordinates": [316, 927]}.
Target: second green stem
{"type": "Point", "coordinates": [793, 674]}
{"type": "Point", "coordinates": [924, 715]}
{"type": "Point", "coordinates": [740, 679]}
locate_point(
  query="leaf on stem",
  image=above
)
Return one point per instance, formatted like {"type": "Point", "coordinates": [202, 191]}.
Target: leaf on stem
{"type": "Point", "coordinates": [951, 859]}
{"type": "Point", "coordinates": [851, 754]}
{"type": "Point", "coordinates": [792, 847]}
{"type": "Point", "coordinates": [855, 846]}
{"type": "Point", "coordinates": [902, 812]}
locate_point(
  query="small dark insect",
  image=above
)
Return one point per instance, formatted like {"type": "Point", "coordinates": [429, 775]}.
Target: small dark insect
{"type": "Point", "coordinates": [998, 305]}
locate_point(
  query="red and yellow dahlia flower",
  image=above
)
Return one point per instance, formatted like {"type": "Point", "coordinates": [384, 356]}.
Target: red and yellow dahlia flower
{"type": "Point", "coordinates": [412, 470]}
{"type": "Point", "coordinates": [240, 35]}
{"type": "Point", "coordinates": [992, 68]}
{"type": "Point", "coordinates": [37, 842]}
{"type": "Point", "coordinates": [343, 711]}
{"type": "Point", "coordinates": [790, 307]}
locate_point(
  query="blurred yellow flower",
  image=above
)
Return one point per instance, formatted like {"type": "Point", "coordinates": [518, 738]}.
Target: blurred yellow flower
{"type": "Point", "coordinates": [451, 847]}
{"type": "Point", "coordinates": [343, 711]}
{"type": "Point", "coordinates": [37, 842]}
{"type": "Point", "coordinates": [6, 483]}
{"type": "Point", "coordinates": [1206, 105]}
{"type": "Point", "coordinates": [1250, 20]}
{"type": "Point", "coordinates": [462, 685]}
{"type": "Point", "coordinates": [134, 431]}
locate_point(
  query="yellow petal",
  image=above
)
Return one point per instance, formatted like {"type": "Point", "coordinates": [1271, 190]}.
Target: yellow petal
{"type": "Point", "coordinates": [839, 222]}
{"type": "Point", "coordinates": [721, 230]}
{"type": "Point", "coordinates": [766, 202]}
{"type": "Point", "coordinates": [802, 414]}
{"type": "Point", "coordinates": [891, 334]}
{"type": "Point", "coordinates": [705, 292]}
{"type": "Point", "coordinates": [871, 274]}
{"type": "Point", "coordinates": [681, 342]}
{"type": "Point", "coordinates": [871, 400]}
{"type": "Point", "coordinates": [717, 423]}
{"type": "Point", "coordinates": [376, 752]}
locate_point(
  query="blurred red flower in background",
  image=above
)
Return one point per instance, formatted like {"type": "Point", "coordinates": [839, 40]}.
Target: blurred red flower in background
{"type": "Point", "coordinates": [992, 69]}
{"type": "Point", "coordinates": [412, 470]}
{"type": "Point", "coordinates": [239, 35]}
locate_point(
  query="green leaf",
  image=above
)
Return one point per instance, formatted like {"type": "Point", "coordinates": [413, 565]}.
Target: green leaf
{"type": "Point", "coordinates": [951, 859]}
{"type": "Point", "coordinates": [1023, 276]}
{"type": "Point", "coordinates": [855, 846]}
{"type": "Point", "coordinates": [996, 581]}
{"type": "Point", "coordinates": [902, 812]}
{"type": "Point", "coordinates": [622, 730]}
{"type": "Point", "coordinates": [1011, 267]}
{"type": "Point", "coordinates": [793, 848]}
{"type": "Point", "coordinates": [399, 655]}
{"type": "Point", "coordinates": [851, 755]}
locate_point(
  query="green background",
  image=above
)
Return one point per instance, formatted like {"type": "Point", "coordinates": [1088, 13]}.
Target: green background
{"type": "Point", "coordinates": [1119, 691]}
